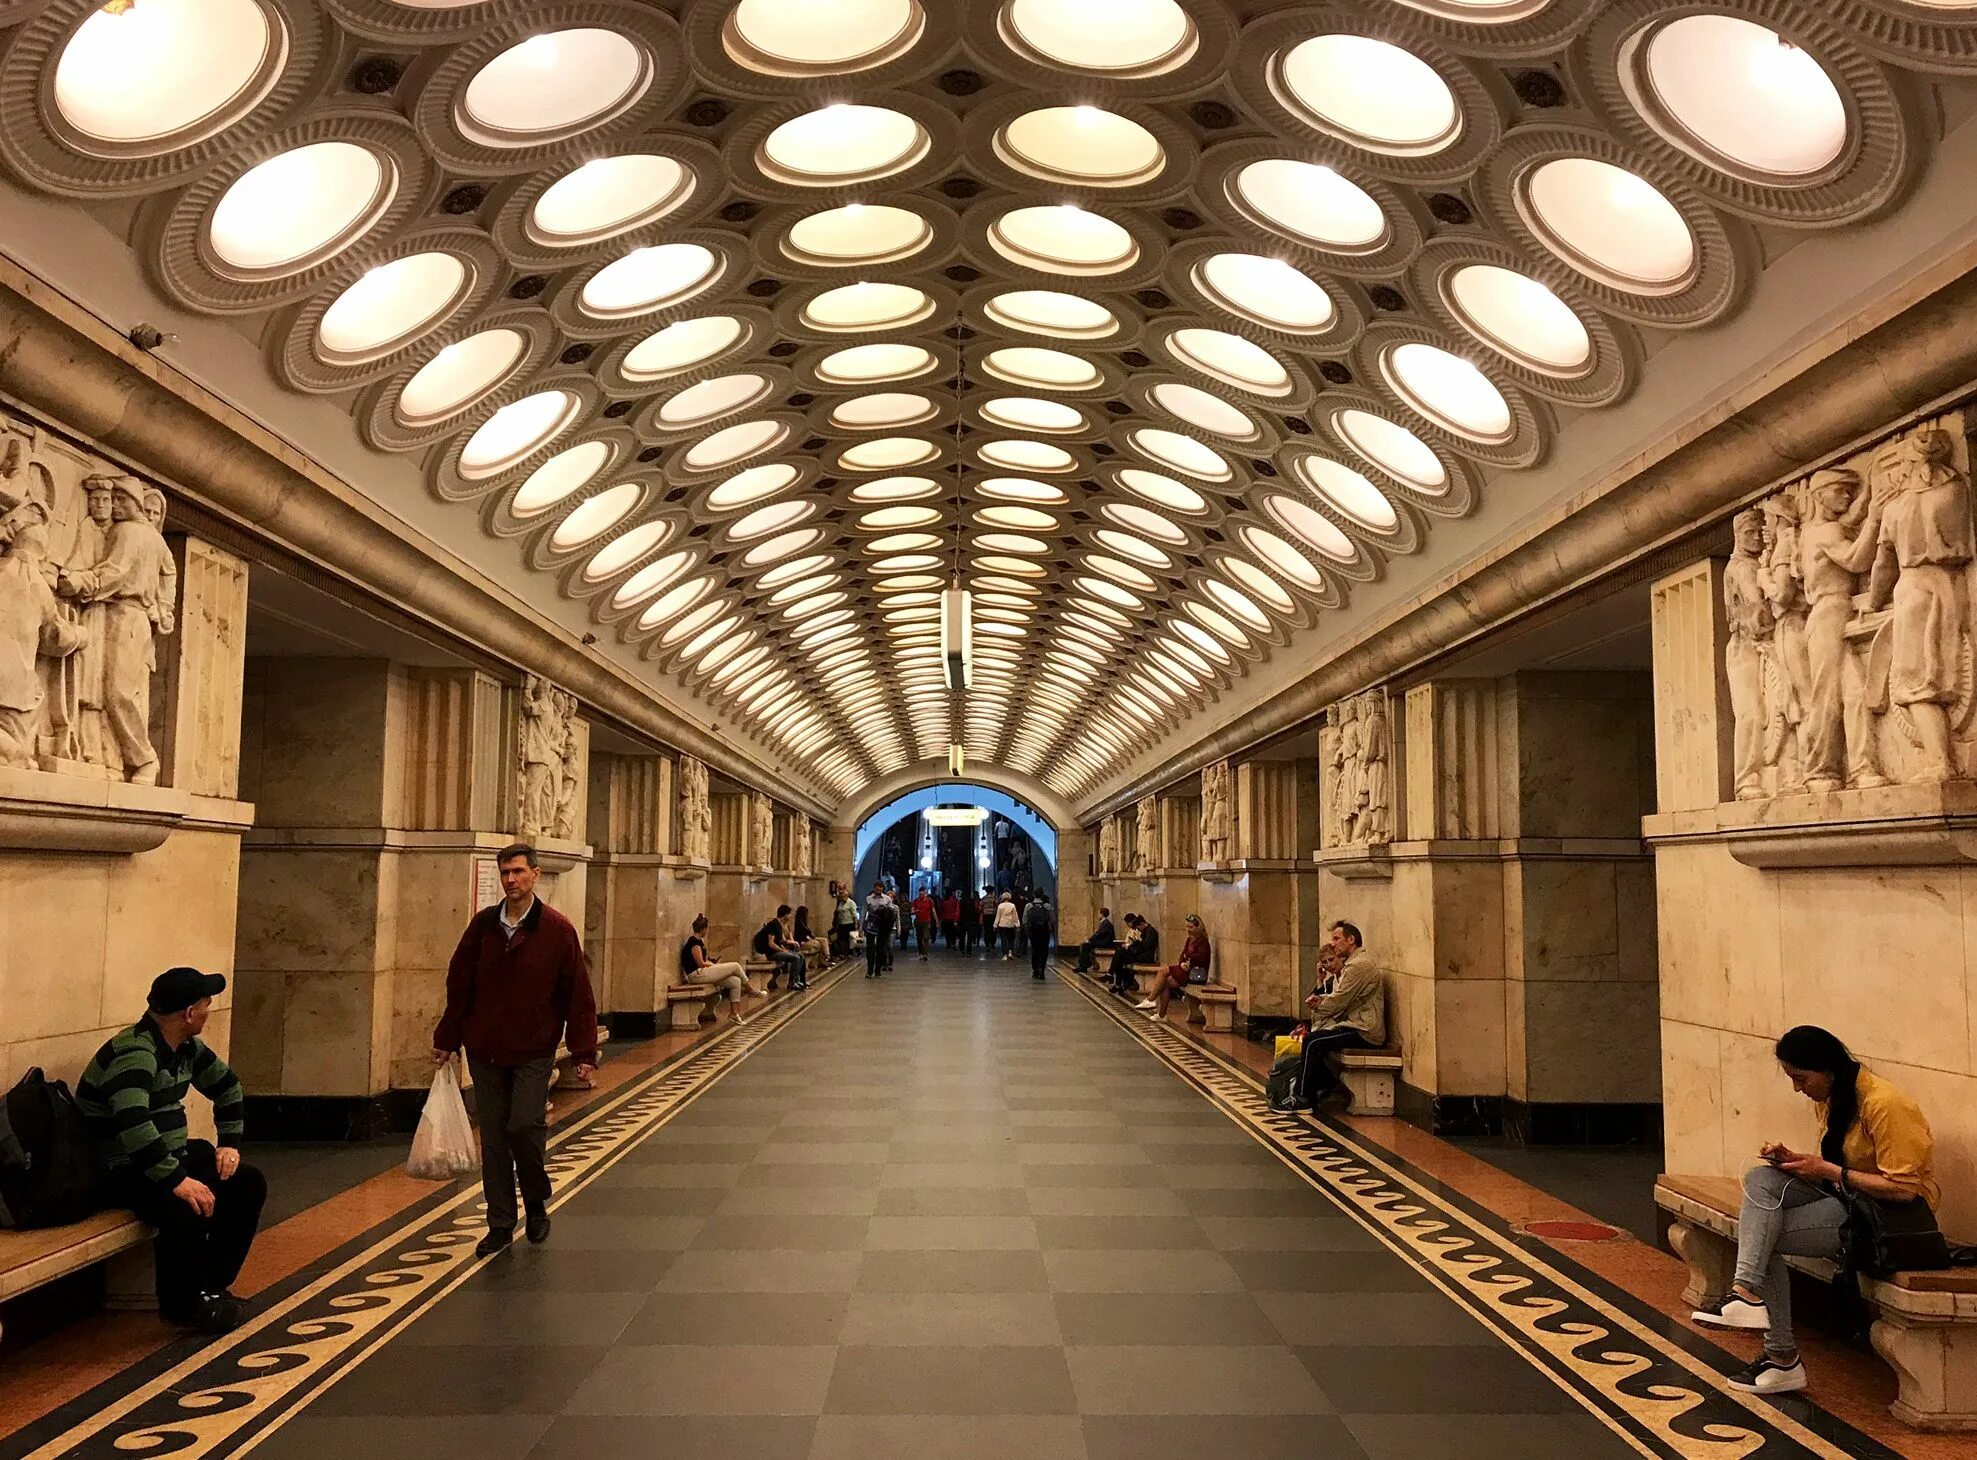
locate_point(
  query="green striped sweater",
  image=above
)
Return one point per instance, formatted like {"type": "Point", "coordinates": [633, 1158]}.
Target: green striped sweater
{"type": "Point", "coordinates": [133, 1095]}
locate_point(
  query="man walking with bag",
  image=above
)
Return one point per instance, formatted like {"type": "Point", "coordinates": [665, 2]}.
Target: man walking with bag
{"type": "Point", "coordinates": [517, 981]}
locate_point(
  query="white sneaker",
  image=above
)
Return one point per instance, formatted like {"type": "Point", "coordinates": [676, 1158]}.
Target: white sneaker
{"type": "Point", "coordinates": [1768, 1376]}
{"type": "Point", "coordinates": [1733, 1312]}
{"type": "Point", "coordinates": [1146, 1004]}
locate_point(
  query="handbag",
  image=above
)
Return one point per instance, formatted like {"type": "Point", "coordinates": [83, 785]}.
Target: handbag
{"type": "Point", "coordinates": [1883, 1237]}
{"type": "Point", "coordinates": [1289, 1044]}
{"type": "Point", "coordinates": [1197, 975]}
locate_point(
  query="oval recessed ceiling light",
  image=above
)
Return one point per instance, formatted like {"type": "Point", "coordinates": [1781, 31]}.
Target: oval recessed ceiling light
{"type": "Point", "coordinates": [1063, 238]}
{"type": "Point", "coordinates": [1128, 546]}
{"type": "Point", "coordinates": [1163, 490]}
{"type": "Point", "coordinates": [1050, 312]}
{"type": "Point", "coordinates": [1121, 36]}
{"type": "Point", "coordinates": [1042, 369]}
{"type": "Point", "coordinates": [682, 346]}
{"type": "Point", "coordinates": [733, 444]}
{"type": "Point", "coordinates": [752, 485]}
{"type": "Point", "coordinates": [1370, 92]}
{"type": "Point", "coordinates": [675, 601]}
{"type": "Point", "coordinates": [300, 206]}
{"type": "Point", "coordinates": [903, 542]}
{"type": "Point", "coordinates": [1027, 456]}
{"type": "Point", "coordinates": [565, 472]}
{"type": "Point", "coordinates": [1309, 524]}
{"type": "Point", "coordinates": [789, 572]}
{"type": "Point", "coordinates": [1449, 391]}
{"type": "Point", "coordinates": [514, 431]}
{"type": "Point", "coordinates": [1020, 519]}
{"type": "Point", "coordinates": [1145, 522]}
{"type": "Point", "coordinates": [782, 545]}
{"type": "Point", "coordinates": [607, 196]}
{"type": "Point", "coordinates": [880, 410]}
{"type": "Point", "coordinates": [1280, 555]}
{"type": "Point", "coordinates": [617, 554]}
{"type": "Point", "coordinates": [1350, 492]}
{"type": "Point", "coordinates": [1312, 204]}
{"type": "Point", "coordinates": [841, 143]}
{"type": "Point", "coordinates": [143, 78]}
{"type": "Point", "coordinates": [553, 84]}
{"type": "Point", "coordinates": [1740, 96]}
{"type": "Point", "coordinates": [870, 364]}
{"type": "Point", "coordinates": [1182, 453]}
{"type": "Point", "coordinates": [1230, 359]}
{"type": "Point", "coordinates": [711, 399]}
{"type": "Point", "coordinates": [897, 518]}
{"type": "Point", "coordinates": [1520, 317]}
{"type": "Point", "coordinates": [1217, 623]}
{"type": "Point", "coordinates": [459, 375]}
{"type": "Point", "coordinates": [1394, 449]}
{"type": "Point", "coordinates": [888, 453]}
{"type": "Point", "coordinates": [649, 278]}
{"type": "Point", "coordinates": [1109, 592]}
{"type": "Point", "coordinates": [1026, 413]}
{"type": "Point", "coordinates": [895, 489]}
{"type": "Point", "coordinates": [1081, 144]}
{"type": "Point", "coordinates": [795, 37]}
{"type": "Point", "coordinates": [1609, 223]}
{"type": "Point", "coordinates": [390, 306]}
{"type": "Point", "coordinates": [867, 306]}
{"type": "Point", "coordinates": [651, 578]}
{"type": "Point", "coordinates": [857, 233]}
{"type": "Point", "coordinates": [1020, 489]}
{"type": "Point", "coordinates": [1266, 290]}
{"type": "Point", "coordinates": [772, 518]}
{"type": "Point", "coordinates": [1209, 412]}
{"type": "Point", "coordinates": [1236, 602]}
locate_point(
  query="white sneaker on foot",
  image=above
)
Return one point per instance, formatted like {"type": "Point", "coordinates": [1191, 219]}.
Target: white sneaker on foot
{"type": "Point", "coordinates": [1768, 1376]}
{"type": "Point", "coordinates": [1733, 1312]}
{"type": "Point", "coordinates": [1146, 1004]}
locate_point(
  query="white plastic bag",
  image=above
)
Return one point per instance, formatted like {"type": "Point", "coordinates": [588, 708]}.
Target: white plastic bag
{"type": "Point", "coordinates": [444, 1147]}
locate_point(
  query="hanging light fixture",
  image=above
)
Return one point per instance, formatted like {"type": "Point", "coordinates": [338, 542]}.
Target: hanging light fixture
{"type": "Point", "coordinates": [957, 605]}
{"type": "Point", "coordinates": [956, 760]}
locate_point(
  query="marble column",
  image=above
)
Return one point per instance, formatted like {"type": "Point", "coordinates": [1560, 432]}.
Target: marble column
{"type": "Point", "coordinates": [635, 904]}
{"type": "Point", "coordinates": [1260, 909]}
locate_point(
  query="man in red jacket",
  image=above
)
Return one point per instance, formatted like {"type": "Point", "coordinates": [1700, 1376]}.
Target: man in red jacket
{"type": "Point", "coordinates": [516, 982]}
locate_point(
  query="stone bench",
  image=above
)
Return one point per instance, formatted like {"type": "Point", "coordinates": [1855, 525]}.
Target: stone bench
{"type": "Point", "coordinates": [1925, 1323]}
{"type": "Point", "coordinates": [1211, 1005]}
{"type": "Point", "coordinates": [1101, 959]}
{"type": "Point", "coordinates": [1371, 1075]}
{"type": "Point", "coordinates": [29, 1260]}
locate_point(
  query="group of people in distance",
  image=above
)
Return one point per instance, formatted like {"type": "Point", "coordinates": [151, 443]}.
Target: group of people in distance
{"type": "Point", "coordinates": [965, 919]}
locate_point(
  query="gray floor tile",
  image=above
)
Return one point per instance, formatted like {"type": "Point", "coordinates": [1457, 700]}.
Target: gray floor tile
{"type": "Point", "coordinates": [1328, 1320]}
{"type": "Point", "coordinates": [1140, 1271]}
{"type": "Point", "coordinates": [952, 1234]}
{"type": "Point", "coordinates": [1335, 1233]}
{"type": "Point", "coordinates": [931, 1437]}
{"type": "Point", "coordinates": [1231, 1437]}
{"type": "Point", "coordinates": [676, 1437]}
{"type": "Point", "coordinates": [707, 1379]}
{"type": "Point", "coordinates": [1121, 1234]}
{"type": "Point", "coordinates": [798, 1201]}
{"type": "Point", "coordinates": [1423, 1379]}
{"type": "Point", "coordinates": [1486, 1437]}
{"type": "Point", "coordinates": [789, 1234]}
{"type": "Point", "coordinates": [952, 1272]}
{"type": "Point", "coordinates": [776, 1319]}
{"type": "Point", "coordinates": [1197, 1379]}
{"type": "Point", "coordinates": [941, 1201]}
{"type": "Point", "coordinates": [761, 1272]}
{"type": "Point", "coordinates": [477, 1315]}
{"type": "Point", "coordinates": [798, 1173]}
{"type": "Point", "coordinates": [1100, 1201]}
{"type": "Point", "coordinates": [316, 1434]}
{"type": "Point", "coordinates": [577, 1228]}
{"type": "Point", "coordinates": [1163, 1318]}
{"type": "Point", "coordinates": [938, 1320]}
{"type": "Point", "coordinates": [1275, 1200]}
{"type": "Point", "coordinates": [1324, 1272]}
{"type": "Point", "coordinates": [523, 1268]}
{"type": "Point", "coordinates": [465, 1379]}
{"type": "Point", "coordinates": [954, 1381]}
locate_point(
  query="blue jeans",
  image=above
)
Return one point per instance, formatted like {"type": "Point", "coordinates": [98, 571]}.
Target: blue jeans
{"type": "Point", "coordinates": [790, 963]}
{"type": "Point", "coordinates": [1783, 1216]}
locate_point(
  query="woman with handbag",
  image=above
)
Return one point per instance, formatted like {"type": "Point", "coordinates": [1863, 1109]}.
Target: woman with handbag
{"type": "Point", "coordinates": [1875, 1152]}
{"type": "Point", "coordinates": [1193, 968]}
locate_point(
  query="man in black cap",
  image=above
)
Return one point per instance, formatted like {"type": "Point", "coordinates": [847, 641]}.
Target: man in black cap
{"type": "Point", "coordinates": [205, 1204]}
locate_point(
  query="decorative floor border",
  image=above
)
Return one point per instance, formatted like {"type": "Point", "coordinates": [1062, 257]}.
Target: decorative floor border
{"type": "Point", "coordinates": [1662, 1400]}
{"type": "Point", "coordinates": [232, 1393]}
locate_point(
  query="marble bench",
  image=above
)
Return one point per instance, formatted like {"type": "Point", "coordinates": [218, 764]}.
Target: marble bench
{"type": "Point", "coordinates": [1211, 1005]}
{"type": "Point", "coordinates": [1371, 1075]}
{"type": "Point", "coordinates": [33, 1258]}
{"type": "Point", "coordinates": [1925, 1323]}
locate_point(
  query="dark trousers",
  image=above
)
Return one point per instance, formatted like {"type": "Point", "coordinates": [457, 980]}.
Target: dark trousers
{"type": "Point", "coordinates": [511, 1104]}
{"type": "Point", "coordinates": [197, 1254]}
{"type": "Point", "coordinates": [970, 932]}
{"type": "Point", "coordinates": [788, 964]}
{"type": "Point", "coordinates": [1316, 1079]}
{"type": "Point", "coordinates": [840, 941]}
{"type": "Point", "coordinates": [1086, 952]}
{"type": "Point", "coordinates": [875, 957]}
{"type": "Point", "coordinates": [1039, 954]}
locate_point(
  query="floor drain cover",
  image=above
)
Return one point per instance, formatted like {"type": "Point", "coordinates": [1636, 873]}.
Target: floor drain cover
{"type": "Point", "coordinates": [1573, 1231]}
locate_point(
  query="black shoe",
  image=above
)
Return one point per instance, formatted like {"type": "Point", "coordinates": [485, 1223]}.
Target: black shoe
{"type": "Point", "coordinates": [538, 1227]}
{"type": "Point", "coordinates": [212, 1313]}
{"type": "Point", "coordinates": [497, 1238]}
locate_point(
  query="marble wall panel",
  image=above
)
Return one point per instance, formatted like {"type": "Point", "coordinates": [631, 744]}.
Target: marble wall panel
{"type": "Point", "coordinates": [1723, 969]}
{"type": "Point", "coordinates": [313, 740]}
{"type": "Point", "coordinates": [1587, 1042]}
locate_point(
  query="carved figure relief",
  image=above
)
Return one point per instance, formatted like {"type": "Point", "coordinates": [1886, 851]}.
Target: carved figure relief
{"type": "Point", "coordinates": [1218, 820]}
{"type": "Point", "coordinates": [696, 812]}
{"type": "Point", "coordinates": [545, 745]}
{"type": "Point", "coordinates": [1849, 655]}
{"type": "Point", "coordinates": [87, 585]}
{"type": "Point", "coordinates": [568, 787]}
{"type": "Point", "coordinates": [761, 829]}
{"type": "Point", "coordinates": [1146, 837]}
{"type": "Point", "coordinates": [799, 850]}
{"type": "Point", "coordinates": [1356, 755]}
{"type": "Point", "coordinates": [1108, 847]}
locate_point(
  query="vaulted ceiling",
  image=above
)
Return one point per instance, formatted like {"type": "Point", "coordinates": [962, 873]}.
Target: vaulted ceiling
{"type": "Point", "coordinates": [1166, 326]}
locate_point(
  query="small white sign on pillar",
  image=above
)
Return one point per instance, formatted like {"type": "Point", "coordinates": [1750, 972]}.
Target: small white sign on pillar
{"type": "Point", "coordinates": [486, 883]}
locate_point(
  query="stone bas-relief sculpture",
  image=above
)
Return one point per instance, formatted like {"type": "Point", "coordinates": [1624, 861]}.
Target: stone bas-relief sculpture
{"type": "Point", "coordinates": [87, 585]}
{"type": "Point", "coordinates": [696, 811]}
{"type": "Point", "coordinates": [761, 829]}
{"type": "Point", "coordinates": [549, 769]}
{"type": "Point", "coordinates": [1146, 837]}
{"type": "Point", "coordinates": [1218, 820]}
{"type": "Point", "coordinates": [1357, 757]}
{"type": "Point", "coordinates": [1849, 654]}
{"type": "Point", "coordinates": [800, 864]}
{"type": "Point", "coordinates": [1108, 847]}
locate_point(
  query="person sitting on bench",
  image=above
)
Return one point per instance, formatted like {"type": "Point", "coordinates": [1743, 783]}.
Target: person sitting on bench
{"type": "Point", "coordinates": [1873, 1140]}
{"type": "Point", "coordinates": [1102, 936]}
{"type": "Point", "coordinates": [770, 943]}
{"type": "Point", "coordinates": [1142, 950]}
{"type": "Point", "coordinates": [1352, 1014]}
{"type": "Point", "coordinates": [813, 948]}
{"type": "Point", "coordinates": [1177, 976]}
{"type": "Point", "coordinates": [697, 966]}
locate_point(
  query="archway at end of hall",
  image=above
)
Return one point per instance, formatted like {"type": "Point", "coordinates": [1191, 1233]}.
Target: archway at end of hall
{"type": "Point", "coordinates": [956, 835]}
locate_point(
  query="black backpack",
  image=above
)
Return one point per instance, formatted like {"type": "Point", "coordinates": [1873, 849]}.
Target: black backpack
{"type": "Point", "coordinates": [48, 1170]}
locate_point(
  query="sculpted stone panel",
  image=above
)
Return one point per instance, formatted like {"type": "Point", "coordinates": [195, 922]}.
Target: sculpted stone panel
{"type": "Point", "coordinates": [1849, 654]}
{"type": "Point", "coordinates": [551, 769]}
{"type": "Point", "coordinates": [696, 811]}
{"type": "Point", "coordinates": [800, 860]}
{"type": "Point", "coordinates": [761, 830]}
{"type": "Point", "coordinates": [1356, 755]}
{"type": "Point", "coordinates": [1146, 837]}
{"type": "Point", "coordinates": [1108, 847]}
{"type": "Point", "coordinates": [86, 587]}
{"type": "Point", "coordinates": [1218, 816]}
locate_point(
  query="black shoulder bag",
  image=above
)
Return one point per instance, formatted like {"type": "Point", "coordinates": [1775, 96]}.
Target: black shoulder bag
{"type": "Point", "coordinates": [1883, 1237]}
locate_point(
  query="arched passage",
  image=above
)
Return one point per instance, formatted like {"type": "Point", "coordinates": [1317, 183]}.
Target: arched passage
{"type": "Point", "coordinates": [1012, 846]}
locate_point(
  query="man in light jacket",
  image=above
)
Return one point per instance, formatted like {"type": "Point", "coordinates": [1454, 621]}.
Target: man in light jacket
{"type": "Point", "coordinates": [1353, 1015]}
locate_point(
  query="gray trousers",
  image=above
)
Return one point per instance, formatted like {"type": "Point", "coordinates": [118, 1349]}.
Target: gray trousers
{"type": "Point", "coordinates": [511, 1104]}
{"type": "Point", "coordinates": [1783, 1216]}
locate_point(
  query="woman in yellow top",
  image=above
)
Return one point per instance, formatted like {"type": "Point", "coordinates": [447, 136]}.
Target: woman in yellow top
{"type": "Point", "coordinates": [1873, 1139]}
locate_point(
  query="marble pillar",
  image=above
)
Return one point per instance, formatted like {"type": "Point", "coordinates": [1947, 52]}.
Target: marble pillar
{"type": "Point", "coordinates": [1260, 909]}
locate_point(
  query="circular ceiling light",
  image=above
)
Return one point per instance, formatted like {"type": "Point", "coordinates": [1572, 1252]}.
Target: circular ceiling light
{"type": "Point", "coordinates": [1020, 489]}
{"type": "Point", "coordinates": [1109, 592]}
{"type": "Point", "coordinates": [1042, 369]}
{"type": "Point", "coordinates": [620, 552]}
{"type": "Point", "coordinates": [1230, 359]}
{"type": "Point", "coordinates": [1394, 449]}
{"type": "Point", "coordinates": [1020, 519]}
{"type": "Point", "coordinates": [553, 84]}
{"type": "Point", "coordinates": [607, 196]}
{"type": "Point", "coordinates": [167, 73]}
{"type": "Point", "coordinates": [1217, 623]}
{"type": "Point", "coordinates": [651, 578]}
{"type": "Point", "coordinates": [1312, 203]}
{"type": "Point", "coordinates": [1236, 602]}
{"type": "Point", "coordinates": [459, 375]}
{"type": "Point", "coordinates": [842, 142]}
{"type": "Point", "coordinates": [682, 346]}
{"type": "Point", "coordinates": [1266, 290]}
{"type": "Point", "coordinates": [888, 453]}
{"type": "Point", "coordinates": [903, 542]}
{"type": "Point", "coordinates": [885, 408]}
{"type": "Point", "coordinates": [1183, 454]}
{"type": "Point", "coordinates": [676, 601]}
{"type": "Point", "coordinates": [1280, 555]}
{"type": "Point", "coordinates": [781, 546]}
{"type": "Point", "coordinates": [896, 518]}
{"type": "Point", "coordinates": [1147, 523]}
{"type": "Point", "coordinates": [1142, 36]}
{"type": "Point", "coordinates": [1026, 413]}
{"type": "Point", "coordinates": [1209, 412]}
{"type": "Point", "coordinates": [693, 622]}
{"type": "Point", "coordinates": [1449, 391]}
{"type": "Point", "coordinates": [894, 489]}
{"type": "Point", "coordinates": [1350, 492]}
{"type": "Point", "coordinates": [1609, 223]}
{"type": "Point", "coordinates": [515, 430]}
{"type": "Point", "coordinates": [1081, 144]}
{"type": "Point", "coordinates": [752, 485]}
{"type": "Point", "coordinates": [788, 572]}
{"type": "Point", "coordinates": [1063, 238]}
{"type": "Point", "coordinates": [857, 233]}
{"type": "Point", "coordinates": [598, 515]}
{"type": "Point", "coordinates": [1027, 456]}
{"type": "Point", "coordinates": [1049, 312]}
{"type": "Point", "coordinates": [869, 364]}
{"type": "Point", "coordinates": [867, 306]}
{"type": "Point", "coordinates": [556, 478]}
{"type": "Point", "coordinates": [1370, 92]}
{"type": "Point", "coordinates": [792, 37]}
{"type": "Point", "coordinates": [1741, 96]}
{"type": "Point", "coordinates": [1520, 317]}
{"type": "Point", "coordinates": [390, 305]}
{"type": "Point", "coordinates": [1307, 523]}
{"type": "Point", "coordinates": [772, 518]}
{"type": "Point", "coordinates": [803, 588]}
{"type": "Point", "coordinates": [1163, 490]}
{"type": "Point", "coordinates": [300, 206]}
{"type": "Point", "coordinates": [711, 399]}
{"type": "Point", "coordinates": [732, 444]}
{"type": "Point", "coordinates": [648, 278]}
{"type": "Point", "coordinates": [1128, 546]}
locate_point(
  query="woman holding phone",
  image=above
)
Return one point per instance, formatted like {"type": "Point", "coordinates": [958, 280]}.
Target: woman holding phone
{"type": "Point", "coordinates": [1873, 1140]}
